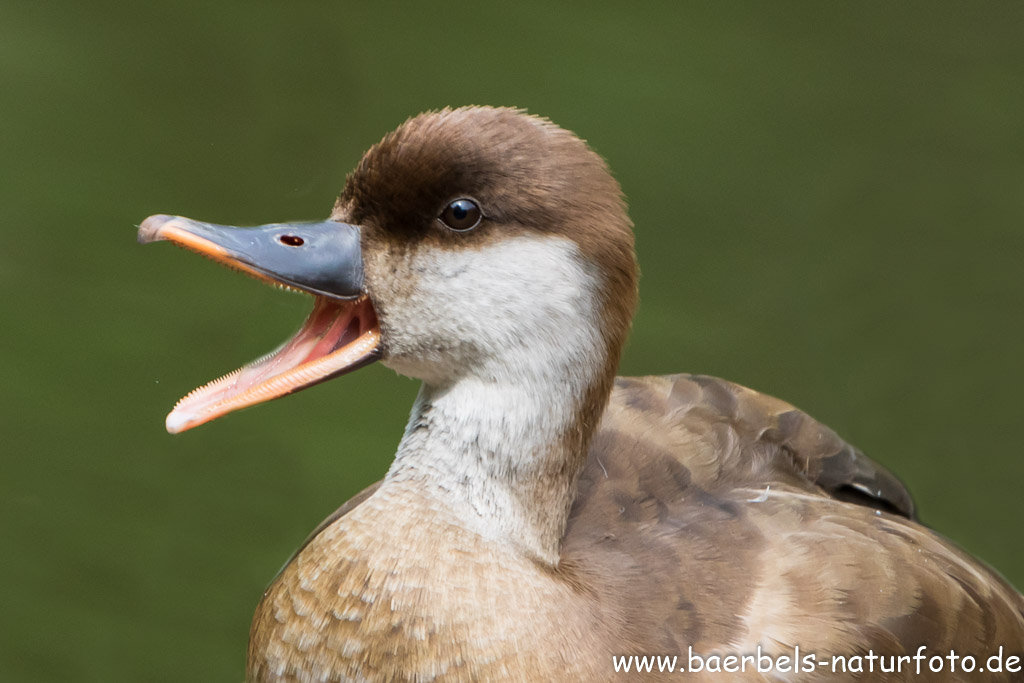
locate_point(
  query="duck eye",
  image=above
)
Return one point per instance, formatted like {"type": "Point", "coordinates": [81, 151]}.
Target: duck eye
{"type": "Point", "coordinates": [462, 214]}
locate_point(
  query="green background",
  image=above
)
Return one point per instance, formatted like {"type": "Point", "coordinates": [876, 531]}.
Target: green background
{"type": "Point", "coordinates": [829, 200]}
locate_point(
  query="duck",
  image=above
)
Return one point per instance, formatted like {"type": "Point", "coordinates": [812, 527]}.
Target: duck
{"type": "Point", "coordinates": [542, 518]}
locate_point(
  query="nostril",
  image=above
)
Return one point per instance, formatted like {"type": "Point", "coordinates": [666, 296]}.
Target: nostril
{"type": "Point", "coordinates": [292, 240]}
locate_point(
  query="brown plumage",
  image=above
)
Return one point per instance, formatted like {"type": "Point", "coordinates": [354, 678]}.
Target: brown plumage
{"type": "Point", "coordinates": [541, 515]}
{"type": "Point", "coordinates": [707, 515]}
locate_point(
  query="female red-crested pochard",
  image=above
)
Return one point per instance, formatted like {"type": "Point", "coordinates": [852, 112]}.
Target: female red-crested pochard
{"type": "Point", "coordinates": [542, 515]}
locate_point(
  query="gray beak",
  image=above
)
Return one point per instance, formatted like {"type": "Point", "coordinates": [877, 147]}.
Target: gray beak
{"type": "Point", "coordinates": [321, 258]}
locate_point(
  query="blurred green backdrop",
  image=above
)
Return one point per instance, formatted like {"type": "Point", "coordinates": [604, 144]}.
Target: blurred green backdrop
{"type": "Point", "coordinates": [829, 200]}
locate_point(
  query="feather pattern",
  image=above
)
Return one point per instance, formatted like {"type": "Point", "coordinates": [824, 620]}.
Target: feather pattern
{"type": "Point", "coordinates": [707, 515]}
{"type": "Point", "coordinates": [541, 516]}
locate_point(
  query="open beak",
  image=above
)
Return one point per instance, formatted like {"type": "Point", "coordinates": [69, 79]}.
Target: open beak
{"type": "Point", "coordinates": [324, 259]}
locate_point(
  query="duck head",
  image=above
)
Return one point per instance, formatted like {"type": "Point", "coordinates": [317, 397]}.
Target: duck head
{"type": "Point", "coordinates": [474, 244]}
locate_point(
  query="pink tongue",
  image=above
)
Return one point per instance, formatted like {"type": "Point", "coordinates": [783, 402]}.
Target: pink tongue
{"type": "Point", "coordinates": [330, 326]}
{"type": "Point", "coordinates": [326, 322]}
{"type": "Point", "coordinates": [322, 333]}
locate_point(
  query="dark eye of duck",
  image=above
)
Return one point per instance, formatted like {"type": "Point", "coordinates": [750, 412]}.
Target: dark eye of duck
{"type": "Point", "coordinates": [461, 215]}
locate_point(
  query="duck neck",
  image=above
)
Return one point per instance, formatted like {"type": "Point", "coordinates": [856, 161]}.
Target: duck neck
{"type": "Point", "coordinates": [502, 455]}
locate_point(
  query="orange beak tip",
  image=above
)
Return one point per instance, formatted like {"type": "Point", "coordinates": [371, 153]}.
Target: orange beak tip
{"type": "Point", "coordinates": [149, 229]}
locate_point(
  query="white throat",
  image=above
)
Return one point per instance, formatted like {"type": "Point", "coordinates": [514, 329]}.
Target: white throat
{"type": "Point", "coordinates": [498, 442]}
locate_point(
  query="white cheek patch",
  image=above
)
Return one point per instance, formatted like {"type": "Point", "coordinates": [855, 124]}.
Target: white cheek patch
{"type": "Point", "coordinates": [508, 340]}
{"type": "Point", "coordinates": [521, 304]}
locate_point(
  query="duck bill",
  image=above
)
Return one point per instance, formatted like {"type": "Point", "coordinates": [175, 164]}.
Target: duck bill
{"type": "Point", "coordinates": [324, 259]}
